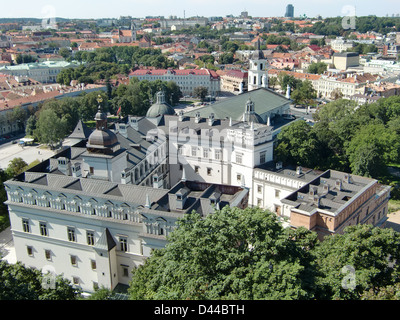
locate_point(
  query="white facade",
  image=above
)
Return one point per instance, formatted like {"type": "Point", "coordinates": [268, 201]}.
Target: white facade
{"type": "Point", "coordinates": [44, 72]}
{"type": "Point", "coordinates": [187, 80]}
{"type": "Point", "coordinates": [257, 75]}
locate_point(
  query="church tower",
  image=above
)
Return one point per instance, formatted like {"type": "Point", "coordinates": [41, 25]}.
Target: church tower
{"type": "Point", "coordinates": [258, 76]}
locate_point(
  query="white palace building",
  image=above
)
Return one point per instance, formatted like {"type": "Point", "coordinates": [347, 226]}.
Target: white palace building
{"type": "Point", "coordinates": [94, 211]}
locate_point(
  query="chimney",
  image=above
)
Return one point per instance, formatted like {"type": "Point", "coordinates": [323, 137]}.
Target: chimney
{"type": "Point", "coordinates": [181, 197]}
{"type": "Point", "coordinates": [126, 177]}
{"type": "Point", "coordinates": [134, 122]}
{"type": "Point", "coordinates": [157, 182]}
{"type": "Point", "coordinates": [76, 170]}
{"type": "Point", "coordinates": [64, 165]}
{"type": "Point", "coordinates": [316, 201]}
{"type": "Point", "coordinates": [180, 115]}
{"type": "Point", "coordinates": [338, 185]}
{"type": "Point", "coordinates": [279, 165]}
{"type": "Point", "coordinates": [197, 117]}
{"type": "Point", "coordinates": [313, 191]}
{"type": "Point", "coordinates": [211, 119]}
{"type": "Point", "coordinates": [326, 188]}
{"type": "Point", "coordinates": [299, 170]}
{"type": "Point", "coordinates": [122, 129]}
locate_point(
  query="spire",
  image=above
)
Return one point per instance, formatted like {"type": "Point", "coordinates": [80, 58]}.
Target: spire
{"type": "Point", "coordinates": [148, 203]}
{"type": "Point", "coordinates": [183, 179]}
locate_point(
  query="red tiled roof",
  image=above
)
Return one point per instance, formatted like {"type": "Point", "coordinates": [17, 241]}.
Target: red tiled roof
{"type": "Point", "coordinates": [177, 72]}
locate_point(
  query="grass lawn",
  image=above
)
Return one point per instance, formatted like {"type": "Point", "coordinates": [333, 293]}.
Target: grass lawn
{"type": "Point", "coordinates": [394, 205]}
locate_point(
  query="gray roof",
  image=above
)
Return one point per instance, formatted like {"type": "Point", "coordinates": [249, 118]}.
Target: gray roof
{"type": "Point", "coordinates": [81, 131]}
{"type": "Point", "coordinates": [330, 191]}
{"type": "Point", "coordinates": [159, 108]}
{"type": "Point", "coordinates": [105, 242]}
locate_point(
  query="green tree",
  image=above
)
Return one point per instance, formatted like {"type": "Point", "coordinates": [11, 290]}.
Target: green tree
{"type": "Point", "coordinates": [231, 254]}
{"type": "Point", "coordinates": [18, 282]}
{"type": "Point", "coordinates": [369, 256]}
{"type": "Point", "coordinates": [226, 58]}
{"type": "Point", "coordinates": [200, 92]}
{"type": "Point", "coordinates": [15, 167]}
{"type": "Point", "coordinates": [317, 67]}
{"type": "Point", "coordinates": [50, 129]}
{"type": "Point", "coordinates": [304, 94]}
{"type": "Point", "coordinates": [296, 144]}
{"type": "Point", "coordinates": [64, 52]}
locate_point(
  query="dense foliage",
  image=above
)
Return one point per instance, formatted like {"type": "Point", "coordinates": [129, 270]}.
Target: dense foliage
{"type": "Point", "coordinates": [56, 119]}
{"type": "Point", "coordinates": [333, 26]}
{"type": "Point", "coordinates": [247, 254]}
{"type": "Point", "coordinates": [232, 254]}
{"type": "Point", "coordinates": [18, 282]}
{"type": "Point", "coordinates": [104, 63]}
{"type": "Point", "coordinates": [363, 140]}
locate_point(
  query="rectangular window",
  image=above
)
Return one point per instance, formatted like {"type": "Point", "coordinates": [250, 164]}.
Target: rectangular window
{"type": "Point", "coordinates": [47, 254]}
{"type": "Point", "coordinates": [259, 188]}
{"type": "Point", "coordinates": [71, 234]}
{"type": "Point", "coordinates": [196, 169]}
{"type": "Point", "coordinates": [217, 154]}
{"type": "Point", "coordinates": [43, 229]}
{"type": "Point", "coordinates": [123, 242]}
{"type": "Point", "coordinates": [194, 151]}
{"type": "Point", "coordinates": [93, 264]}
{"type": "Point", "coordinates": [239, 177]}
{"type": "Point", "coordinates": [209, 171]}
{"type": "Point", "coordinates": [125, 271]}
{"type": "Point", "coordinates": [239, 158]}
{"type": "Point", "coordinates": [90, 238]}
{"type": "Point", "coordinates": [73, 260]}
{"type": "Point", "coordinates": [205, 153]}
{"type": "Point", "coordinates": [277, 194]}
{"type": "Point", "coordinates": [25, 225]}
{"type": "Point", "coordinates": [75, 280]}
{"type": "Point", "coordinates": [263, 156]}
{"type": "Point", "coordinates": [29, 250]}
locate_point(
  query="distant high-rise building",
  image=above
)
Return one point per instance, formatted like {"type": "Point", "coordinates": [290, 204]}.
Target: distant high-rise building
{"type": "Point", "coordinates": [289, 11]}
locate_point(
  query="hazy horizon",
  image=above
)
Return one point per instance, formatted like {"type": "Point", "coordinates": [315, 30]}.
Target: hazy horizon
{"type": "Point", "coordinates": [101, 9]}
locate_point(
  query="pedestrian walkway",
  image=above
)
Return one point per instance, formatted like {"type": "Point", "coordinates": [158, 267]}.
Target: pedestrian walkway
{"type": "Point", "coordinates": [27, 153]}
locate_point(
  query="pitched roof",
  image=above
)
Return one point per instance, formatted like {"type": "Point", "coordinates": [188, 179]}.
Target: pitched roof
{"type": "Point", "coordinates": [81, 131]}
{"type": "Point", "coordinates": [265, 101]}
{"type": "Point", "coordinates": [106, 241]}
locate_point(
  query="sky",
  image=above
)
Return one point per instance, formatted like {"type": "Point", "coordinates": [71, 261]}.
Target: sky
{"type": "Point", "coordinates": [96, 9]}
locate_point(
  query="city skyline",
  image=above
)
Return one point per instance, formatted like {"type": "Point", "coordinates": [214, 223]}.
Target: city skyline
{"type": "Point", "coordinates": [207, 8]}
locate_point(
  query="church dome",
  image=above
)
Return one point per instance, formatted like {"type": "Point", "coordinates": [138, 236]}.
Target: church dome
{"type": "Point", "coordinates": [160, 107]}
{"type": "Point", "coordinates": [102, 138]}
